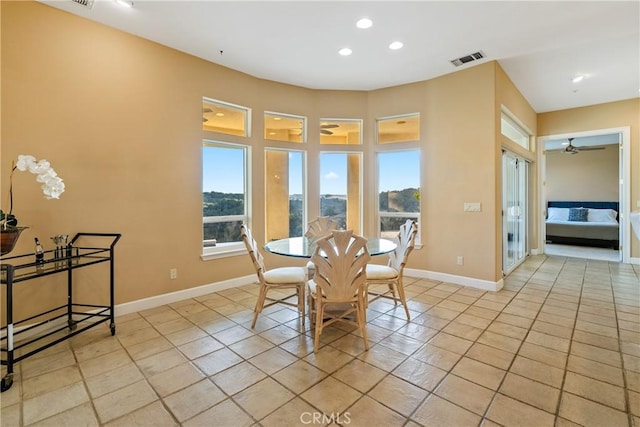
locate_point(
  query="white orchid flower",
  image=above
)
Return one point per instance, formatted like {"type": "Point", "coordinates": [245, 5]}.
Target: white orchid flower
{"type": "Point", "coordinates": [46, 175]}
{"type": "Point", "coordinates": [52, 184]}
{"type": "Point", "coordinates": [53, 188]}
{"type": "Point", "coordinates": [39, 168]}
{"type": "Point", "coordinates": [24, 162]}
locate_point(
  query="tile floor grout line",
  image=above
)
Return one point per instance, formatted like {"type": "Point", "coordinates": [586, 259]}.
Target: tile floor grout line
{"type": "Point", "coordinates": [508, 370]}
{"type": "Point", "coordinates": [622, 362]}
{"type": "Point", "coordinates": [573, 331]}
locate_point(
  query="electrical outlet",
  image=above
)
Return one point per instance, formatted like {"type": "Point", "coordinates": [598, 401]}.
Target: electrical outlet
{"type": "Point", "coordinates": [173, 273]}
{"type": "Point", "coordinates": [460, 260]}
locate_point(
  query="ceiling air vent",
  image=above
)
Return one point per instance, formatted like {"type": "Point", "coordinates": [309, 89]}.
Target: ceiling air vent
{"type": "Point", "coordinates": [469, 58]}
{"type": "Point", "coordinates": [86, 3]}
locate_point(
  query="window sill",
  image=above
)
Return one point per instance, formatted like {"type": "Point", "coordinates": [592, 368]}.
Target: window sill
{"type": "Point", "coordinates": [219, 252]}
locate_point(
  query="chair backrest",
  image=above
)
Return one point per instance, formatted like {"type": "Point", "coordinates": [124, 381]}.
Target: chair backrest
{"type": "Point", "coordinates": [320, 227]}
{"type": "Point", "coordinates": [406, 241]}
{"type": "Point", "coordinates": [253, 249]}
{"type": "Point", "coordinates": [341, 260]}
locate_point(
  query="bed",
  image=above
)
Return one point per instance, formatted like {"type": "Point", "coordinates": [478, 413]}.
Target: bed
{"type": "Point", "coordinates": [583, 223]}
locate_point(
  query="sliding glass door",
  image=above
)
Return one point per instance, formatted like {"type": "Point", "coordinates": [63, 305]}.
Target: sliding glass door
{"type": "Point", "coordinates": [515, 185]}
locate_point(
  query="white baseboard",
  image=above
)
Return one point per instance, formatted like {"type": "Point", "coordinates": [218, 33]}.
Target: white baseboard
{"type": "Point", "coordinates": [158, 300]}
{"type": "Point", "coordinates": [634, 261]}
{"type": "Point", "coordinates": [457, 280]}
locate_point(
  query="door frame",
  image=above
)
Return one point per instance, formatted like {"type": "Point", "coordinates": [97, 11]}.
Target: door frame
{"type": "Point", "coordinates": [624, 171]}
{"type": "Point", "coordinates": [526, 212]}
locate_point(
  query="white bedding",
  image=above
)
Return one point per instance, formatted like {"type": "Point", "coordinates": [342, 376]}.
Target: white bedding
{"type": "Point", "coordinates": [596, 216]}
{"type": "Point", "coordinates": [585, 223]}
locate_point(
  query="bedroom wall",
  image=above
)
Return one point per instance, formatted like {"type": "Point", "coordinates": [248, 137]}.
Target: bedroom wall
{"type": "Point", "coordinates": [119, 118]}
{"type": "Point", "coordinates": [588, 176]}
{"type": "Point", "coordinates": [602, 116]}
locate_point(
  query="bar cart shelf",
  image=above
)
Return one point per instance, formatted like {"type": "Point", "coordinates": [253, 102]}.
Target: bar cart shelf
{"type": "Point", "coordinates": [26, 337]}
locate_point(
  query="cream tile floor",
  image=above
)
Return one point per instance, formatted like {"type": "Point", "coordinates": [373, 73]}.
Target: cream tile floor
{"type": "Point", "coordinates": [559, 345]}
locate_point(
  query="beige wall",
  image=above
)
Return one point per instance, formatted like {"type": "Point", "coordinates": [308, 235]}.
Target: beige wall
{"type": "Point", "coordinates": [587, 176]}
{"type": "Point", "coordinates": [603, 116]}
{"type": "Point", "coordinates": [119, 118]}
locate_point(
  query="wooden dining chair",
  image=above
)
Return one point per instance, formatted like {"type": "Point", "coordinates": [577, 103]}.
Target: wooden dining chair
{"type": "Point", "coordinates": [276, 278]}
{"type": "Point", "coordinates": [338, 288]}
{"type": "Point", "coordinates": [319, 227]}
{"type": "Point", "coordinates": [391, 274]}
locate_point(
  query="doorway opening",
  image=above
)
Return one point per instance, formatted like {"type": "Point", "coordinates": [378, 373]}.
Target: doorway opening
{"type": "Point", "coordinates": [593, 168]}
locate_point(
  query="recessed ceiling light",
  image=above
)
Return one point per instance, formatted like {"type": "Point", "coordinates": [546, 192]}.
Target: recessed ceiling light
{"type": "Point", "coordinates": [220, 114]}
{"type": "Point", "coordinates": [578, 79]}
{"type": "Point", "coordinates": [396, 45]}
{"type": "Point", "coordinates": [277, 118]}
{"type": "Point", "coordinates": [345, 51]}
{"type": "Point", "coordinates": [364, 23]}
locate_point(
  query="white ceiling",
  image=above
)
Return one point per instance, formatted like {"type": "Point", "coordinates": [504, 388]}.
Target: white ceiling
{"type": "Point", "coordinates": [541, 45]}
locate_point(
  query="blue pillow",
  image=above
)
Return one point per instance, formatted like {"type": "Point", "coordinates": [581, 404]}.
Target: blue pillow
{"type": "Point", "coordinates": [578, 214]}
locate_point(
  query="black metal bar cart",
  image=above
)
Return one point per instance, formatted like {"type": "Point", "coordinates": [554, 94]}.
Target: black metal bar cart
{"type": "Point", "coordinates": [26, 337]}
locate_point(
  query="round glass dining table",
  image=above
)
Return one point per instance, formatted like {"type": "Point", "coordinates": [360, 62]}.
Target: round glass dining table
{"type": "Point", "coordinates": [303, 247]}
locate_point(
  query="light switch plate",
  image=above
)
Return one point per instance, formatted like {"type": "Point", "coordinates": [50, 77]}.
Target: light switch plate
{"type": "Point", "coordinates": [472, 207]}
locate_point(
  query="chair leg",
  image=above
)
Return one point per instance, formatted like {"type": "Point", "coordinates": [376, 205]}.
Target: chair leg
{"type": "Point", "coordinates": [403, 299]}
{"type": "Point", "coordinates": [318, 326]}
{"type": "Point", "coordinates": [262, 296]}
{"type": "Point", "coordinates": [362, 323]}
{"type": "Point", "coordinates": [301, 301]}
{"type": "Point", "coordinates": [311, 309]}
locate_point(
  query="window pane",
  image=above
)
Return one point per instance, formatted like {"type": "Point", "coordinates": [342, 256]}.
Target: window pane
{"type": "Point", "coordinates": [399, 197]}
{"type": "Point", "coordinates": [284, 181]}
{"type": "Point", "coordinates": [398, 128]}
{"type": "Point", "coordinates": [222, 117]}
{"type": "Point", "coordinates": [514, 132]}
{"type": "Point", "coordinates": [284, 127]}
{"type": "Point", "coordinates": [340, 189]}
{"type": "Point", "coordinates": [224, 205]}
{"type": "Point", "coordinates": [341, 131]}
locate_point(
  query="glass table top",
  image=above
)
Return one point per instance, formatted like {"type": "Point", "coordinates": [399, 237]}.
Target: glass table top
{"type": "Point", "coordinates": [302, 247]}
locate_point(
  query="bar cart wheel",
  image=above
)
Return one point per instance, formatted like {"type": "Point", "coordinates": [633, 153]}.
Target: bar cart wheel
{"type": "Point", "coordinates": [7, 382]}
{"type": "Point", "coordinates": [113, 329]}
{"type": "Point", "coordinates": [72, 325]}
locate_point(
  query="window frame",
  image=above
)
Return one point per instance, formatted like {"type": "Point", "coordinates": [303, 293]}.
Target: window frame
{"type": "Point", "coordinates": [359, 122]}
{"type": "Point", "coordinates": [222, 250]}
{"type": "Point", "coordinates": [228, 105]}
{"type": "Point", "coordinates": [396, 117]}
{"type": "Point", "coordinates": [360, 183]}
{"type": "Point", "coordinates": [305, 171]}
{"type": "Point", "coordinates": [303, 120]}
{"type": "Point", "coordinates": [517, 127]}
{"type": "Point", "coordinates": [379, 215]}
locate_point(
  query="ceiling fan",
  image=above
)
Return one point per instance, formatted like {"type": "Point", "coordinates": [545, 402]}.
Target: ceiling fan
{"type": "Point", "coordinates": [572, 149]}
{"type": "Point", "coordinates": [205, 110]}
{"type": "Point", "coordinates": [324, 129]}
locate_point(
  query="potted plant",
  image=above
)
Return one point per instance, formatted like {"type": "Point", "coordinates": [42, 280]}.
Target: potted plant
{"type": "Point", "coordinates": [52, 187]}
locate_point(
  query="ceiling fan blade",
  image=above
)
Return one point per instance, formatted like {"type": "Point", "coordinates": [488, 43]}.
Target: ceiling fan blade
{"type": "Point", "coordinates": [330, 126]}
{"type": "Point", "coordinates": [590, 148]}
{"type": "Point", "coordinates": [326, 132]}
{"type": "Point", "coordinates": [207, 110]}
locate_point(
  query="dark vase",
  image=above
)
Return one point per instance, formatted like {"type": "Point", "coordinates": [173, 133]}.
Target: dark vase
{"type": "Point", "coordinates": [9, 238]}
